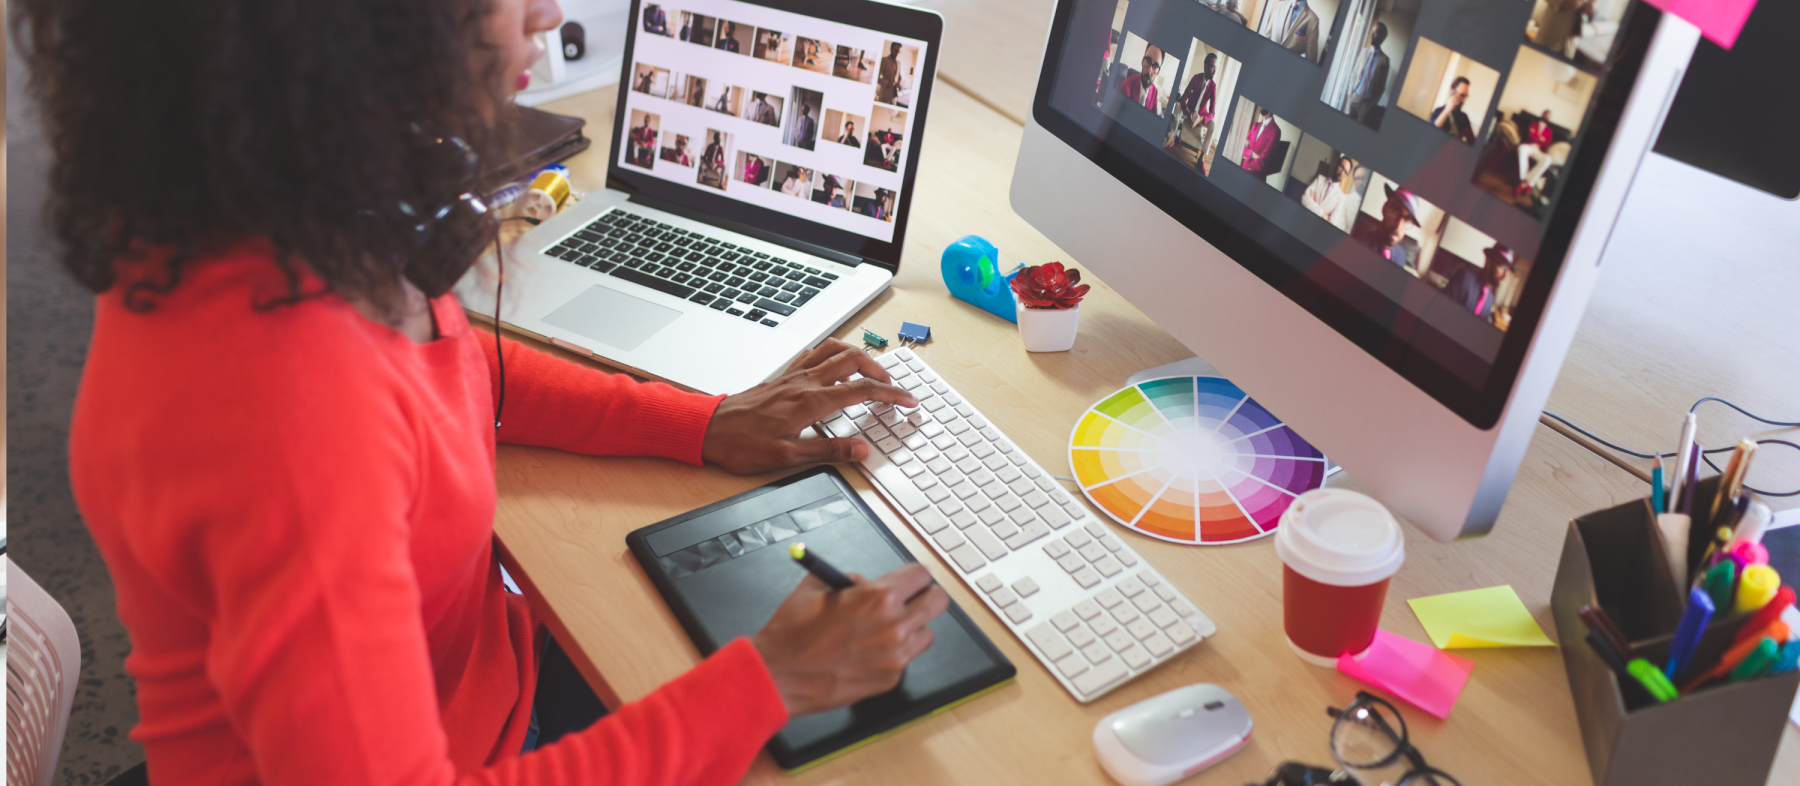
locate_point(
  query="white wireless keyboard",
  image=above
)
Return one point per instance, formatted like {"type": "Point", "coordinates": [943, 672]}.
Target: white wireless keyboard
{"type": "Point", "coordinates": [1080, 598]}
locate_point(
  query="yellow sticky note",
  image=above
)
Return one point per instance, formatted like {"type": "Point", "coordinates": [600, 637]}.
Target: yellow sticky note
{"type": "Point", "coordinates": [1491, 617]}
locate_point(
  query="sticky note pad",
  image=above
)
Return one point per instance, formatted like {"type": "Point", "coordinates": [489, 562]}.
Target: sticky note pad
{"type": "Point", "coordinates": [1422, 675]}
{"type": "Point", "coordinates": [1719, 20]}
{"type": "Point", "coordinates": [1491, 617]}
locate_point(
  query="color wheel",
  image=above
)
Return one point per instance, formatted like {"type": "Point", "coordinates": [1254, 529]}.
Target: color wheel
{"type": "Point", "coordinates": [1191, 460]}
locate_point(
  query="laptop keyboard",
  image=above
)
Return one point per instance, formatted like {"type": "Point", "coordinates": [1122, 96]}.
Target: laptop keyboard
{"type": "Point", "coordinates": [723, 276]}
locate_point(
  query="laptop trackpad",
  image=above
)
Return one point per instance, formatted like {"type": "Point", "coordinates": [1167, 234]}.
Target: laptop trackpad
{"type": "Point", "coordinates": [612, 317]}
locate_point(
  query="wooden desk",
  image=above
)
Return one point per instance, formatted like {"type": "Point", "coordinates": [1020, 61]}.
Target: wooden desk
{"type": "Point", "coordinates": [563, 519]}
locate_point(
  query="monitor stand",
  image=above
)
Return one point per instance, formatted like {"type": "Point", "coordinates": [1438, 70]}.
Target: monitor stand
{"type": "Point", "coordinates": [1195, 367]}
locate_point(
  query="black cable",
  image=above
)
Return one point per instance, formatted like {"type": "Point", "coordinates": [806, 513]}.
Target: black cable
{"type": "Point", "coordinates": [499, 356]}
{"type": "Point", "coordinates": [1703, 453]}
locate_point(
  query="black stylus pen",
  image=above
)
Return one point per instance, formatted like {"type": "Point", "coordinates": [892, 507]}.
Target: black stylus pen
{"type": "Point", "coordinates": [815, 564]}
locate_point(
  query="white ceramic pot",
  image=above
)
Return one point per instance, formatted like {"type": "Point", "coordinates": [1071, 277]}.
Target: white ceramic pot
{"type": "Point", "coordinates": [1048, 329]}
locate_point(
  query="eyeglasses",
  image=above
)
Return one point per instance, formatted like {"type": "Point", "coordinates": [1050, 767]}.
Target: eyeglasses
{"type": "Point", "coordinates": [1371, 734]}
{"type": "Point", "coordinates": [1367, 735]}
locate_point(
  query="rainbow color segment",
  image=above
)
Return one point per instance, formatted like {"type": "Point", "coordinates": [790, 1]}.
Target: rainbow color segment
{"type": "Point", "coordinates": [1191, 460]}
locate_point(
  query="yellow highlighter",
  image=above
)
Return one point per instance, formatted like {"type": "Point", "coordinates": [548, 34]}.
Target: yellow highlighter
{"type": "Point", "coordinates": [1756, 588]}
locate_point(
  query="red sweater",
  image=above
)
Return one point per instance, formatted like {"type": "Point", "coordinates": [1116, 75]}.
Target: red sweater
{"type": "Point", "coordinates": [297, 506]}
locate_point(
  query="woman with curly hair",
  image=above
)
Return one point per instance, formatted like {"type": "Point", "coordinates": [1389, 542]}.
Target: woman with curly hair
{"type": "Point", "coordinates": [284, 442]}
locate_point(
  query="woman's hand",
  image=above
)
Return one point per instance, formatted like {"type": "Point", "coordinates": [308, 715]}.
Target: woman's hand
{"type": "Point", "coordinates": [828, 649]}
{"type": "Point", "coordinates": [759, 429]}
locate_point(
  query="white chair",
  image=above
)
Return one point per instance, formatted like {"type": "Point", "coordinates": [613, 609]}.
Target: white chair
{"type": "Point", "coordinates": [43, 664]}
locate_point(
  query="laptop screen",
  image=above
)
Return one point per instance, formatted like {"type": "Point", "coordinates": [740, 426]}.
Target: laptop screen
{"type": "Point", "coordinates": [793, 113]}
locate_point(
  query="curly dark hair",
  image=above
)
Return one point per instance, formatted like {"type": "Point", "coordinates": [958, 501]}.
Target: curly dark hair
{"type": "Point", "coordinates": [316, 124]}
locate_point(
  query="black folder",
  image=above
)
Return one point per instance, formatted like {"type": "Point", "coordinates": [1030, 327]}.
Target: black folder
{"type": "Point", "coordinates": [723, 569]}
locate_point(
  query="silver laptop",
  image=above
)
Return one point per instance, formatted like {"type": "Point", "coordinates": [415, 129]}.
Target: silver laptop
{"type": "Point", "coordinates": [764, 157]}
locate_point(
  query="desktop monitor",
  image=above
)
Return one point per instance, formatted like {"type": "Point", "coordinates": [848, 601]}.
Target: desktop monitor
{"type": "Point", "coordinates": [1381, 218]}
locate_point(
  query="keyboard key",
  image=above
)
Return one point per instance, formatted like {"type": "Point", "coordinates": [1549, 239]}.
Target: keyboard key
{"type": "Point", "coordinates": [1092, 551]}
{"type": "Point", "coordinates": [1026, 587]}
{"type": "Point", "coordinates": [1018, 612]}
{"type": "Point", "coordinates": [1162, 617]}
{"type": "Point", "coordinates": [1108, 598]}
{"type": "Point", "coordinates": [736, 312]}
{"type": "Point", "coordinates": [1096, 651]}
{"type": "Point", "coordinates": [895, 482]}
{"type": "Point", "coordinates": [1049, 642]}
{"type": "Point", "coordinates": [1126, 558]}
{"type": "Point", "coordinates": [1081, 637]}
{"type": "Point", "coordinates": [704, 299]}
{"type": "Point", "coordinates": [839, 426]}
{"type": "Point", "coordinates": [1135, 657]}
{"type": "Point", "coordinates": [1004, 597]}
{"type": "Point", "coordinates": [1004, 530]}
{"type": "Point", "coordinates": [1026, 535]}
{"type": "Point", "coordinates": [1118, 640]}
{"type": "Point", "coordinates": [1065, 621]}
{"type": "Point", "coordinates": [937, 494]}
{"type": "Point", "coordinates": [1166, 592]}
{"type": "Point", "coordinates": [989, 583]}
{"type": "Point", "coordinates": [750, 297]}
{"type": "Point", "coordinates": [1111, 542]}
{"type": "Point", "coordinates": [1072, 665]}
{"type": "Point", "coordinates": [1056, 549]}
{"type": "Point", "coordinates": [1036, 499]}
{"type": "Point", "coordinates": [1055, 517]}
{"type": "Point", "coordinates": [889, 444]}
{"type": "Point", "coordinates": [1103, 625]}
{"type": "Point", "coordinates": [775, 307]}
{"type": "Point", "coordinates": [1110, 567]}
{"type": "Point", "coordinates": [644, 280]}
{"type": "Point", "coordinates": [1078, 538]}
{"type": "Point", "coordinates": [1130, 588]}
{"type": "Point", "coordinates": [1183, 608]}
{"type": "Point", "coordinates": [1180, 633]}
{"type": "Point", "coordinates": [1007, 474]}
{"type": "Point", "coordinates": [963, 519]}
{"type": "Point", "coordinates": [1087, 609]}
{"type": "Point", "coordinates": [1159, 645]}
{"type": "Point", "coordinates": [966, 557]}
{"type": "Point", "coordinates": [756, 315]}
{"type": "Point", "coordinates": [1145, 602]}
{"type": "Point", "coordinates": [931, 521]}
{"type": "Point", "coordinates": [1086, 577]}
{"type": "Point", "coordinates": [1071, 562]}
{"type": "Point", "coordinates": [949, 539]}
{"type": "Point", "coordinates": [1140, 628]}
{"type": "Point", "coordinates": [1100, 677]}
{"type": "Point", "coordinates": [1125, 613]}
{"type": "Point", "coordinates": [985, 540]}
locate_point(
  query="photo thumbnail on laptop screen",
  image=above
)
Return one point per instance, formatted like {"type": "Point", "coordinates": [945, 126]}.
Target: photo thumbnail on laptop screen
{"type": "Point", "coordinates": [788, 112]}
{"type": "Point", "coordinates": [1416, 146]}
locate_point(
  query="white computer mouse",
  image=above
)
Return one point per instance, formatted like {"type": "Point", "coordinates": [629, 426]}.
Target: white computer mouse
{"type": "Point", "coordinates": [1165, 738]}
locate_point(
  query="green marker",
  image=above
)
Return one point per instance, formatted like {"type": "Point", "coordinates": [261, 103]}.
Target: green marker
{"type": "Point", "coordinates": [1759, 662]}
{"type": "Point", "coordinates": [1652, 679]}
{"type": "Point", "coordinates": [1719, 581]}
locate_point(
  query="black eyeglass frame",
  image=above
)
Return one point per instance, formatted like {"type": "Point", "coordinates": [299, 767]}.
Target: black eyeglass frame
{"type": "Point", "coordinates": [1403, 746]}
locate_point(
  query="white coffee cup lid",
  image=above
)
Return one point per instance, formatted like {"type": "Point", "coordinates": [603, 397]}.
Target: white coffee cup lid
{"type": "Point", "coordinates": [1340, 537]}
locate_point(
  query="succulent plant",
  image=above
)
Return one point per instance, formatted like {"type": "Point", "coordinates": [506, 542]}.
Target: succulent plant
{"type": "Point", "coordinates": [1049, 286]}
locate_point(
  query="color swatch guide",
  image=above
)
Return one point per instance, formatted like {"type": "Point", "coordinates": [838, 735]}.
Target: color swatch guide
{"type": "Point", "coordinates": [1192, 460]}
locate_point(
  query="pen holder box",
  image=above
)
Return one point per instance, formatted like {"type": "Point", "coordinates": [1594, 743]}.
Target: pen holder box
{"type": "Point", "coordinates": [1721, 735]}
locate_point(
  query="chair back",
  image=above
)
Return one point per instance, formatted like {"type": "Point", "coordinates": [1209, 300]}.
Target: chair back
{"type": "Point", "coordinates": [43, 664]}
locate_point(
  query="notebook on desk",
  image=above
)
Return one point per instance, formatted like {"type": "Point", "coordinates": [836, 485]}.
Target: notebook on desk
{"type": "Point", "coordinates": [724, 568]}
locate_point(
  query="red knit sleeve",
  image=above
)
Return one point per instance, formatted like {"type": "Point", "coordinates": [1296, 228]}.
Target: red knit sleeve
{"type": "Point", "coordinates": [292, 537]}
{"type": "Point", "coordinates": [551, 402]}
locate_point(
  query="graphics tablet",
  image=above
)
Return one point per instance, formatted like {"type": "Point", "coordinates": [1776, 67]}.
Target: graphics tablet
{"type": "Point", "coordinates": [725, 568]}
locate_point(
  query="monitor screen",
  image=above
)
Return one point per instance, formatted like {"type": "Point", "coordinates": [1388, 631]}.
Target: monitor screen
{"type": "Point", "coordinates": [1410, 171]}
{"type": "Point", "coordinates": [797, 114]}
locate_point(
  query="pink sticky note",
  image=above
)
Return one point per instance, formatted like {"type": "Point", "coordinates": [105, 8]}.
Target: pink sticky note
{"type": "Point", "coordinates": [1719, 20]}
{"type": "Point", "coordinates": [1424, 675]}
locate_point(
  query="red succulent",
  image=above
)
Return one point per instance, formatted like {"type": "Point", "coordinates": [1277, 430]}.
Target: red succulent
{"type": "Point", "coordinates": [1049, 286]}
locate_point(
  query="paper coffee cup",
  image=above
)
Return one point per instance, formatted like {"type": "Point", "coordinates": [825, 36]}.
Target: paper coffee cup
{"type": "Point", "coordinates": [1338, 548]}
